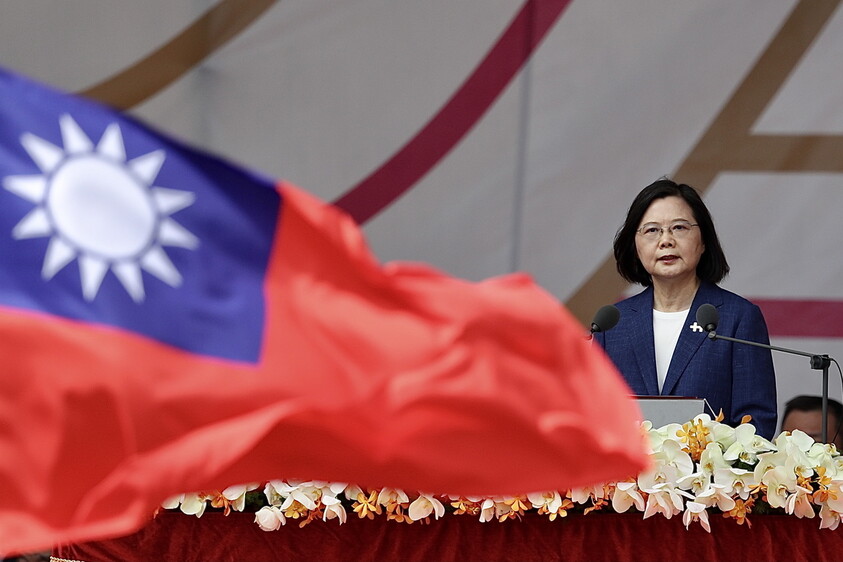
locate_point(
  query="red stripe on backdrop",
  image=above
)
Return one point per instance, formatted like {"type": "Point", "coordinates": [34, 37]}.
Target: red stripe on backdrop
{"type": "Point", "coordinates": [465, 108]}
{"type": "Point", "coordinates": [803, 318]}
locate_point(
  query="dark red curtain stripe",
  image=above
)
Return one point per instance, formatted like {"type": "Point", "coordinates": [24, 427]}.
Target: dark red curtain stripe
{"type": "Point", "coordinates": [799, 318]}
{"type": "Point", "coordinates": [457, 117]}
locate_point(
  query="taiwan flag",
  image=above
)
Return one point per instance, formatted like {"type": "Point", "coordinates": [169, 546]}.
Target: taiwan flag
{"type": "Point", "coordinates": [170, 322]}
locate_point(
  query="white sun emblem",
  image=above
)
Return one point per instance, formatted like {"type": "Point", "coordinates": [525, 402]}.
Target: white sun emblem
{"type": "Point", "coordinates": [101, 209]}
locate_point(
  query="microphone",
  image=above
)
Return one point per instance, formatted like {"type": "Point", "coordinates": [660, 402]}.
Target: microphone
{"type": "Point", "coordinates": [605, 319]}
{"type": "Point", "coordinates": [708, 318]}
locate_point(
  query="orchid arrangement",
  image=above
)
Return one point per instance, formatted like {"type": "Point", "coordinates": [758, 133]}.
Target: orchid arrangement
{"type": "Point", "coordinates": [698, 469]}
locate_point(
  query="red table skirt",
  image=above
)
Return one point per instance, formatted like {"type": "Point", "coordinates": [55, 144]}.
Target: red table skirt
{"type": "Point", "coordinates": [173, 536]}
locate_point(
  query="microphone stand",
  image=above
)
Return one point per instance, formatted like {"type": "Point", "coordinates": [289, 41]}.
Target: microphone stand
{"type": "Point", "coordinates": [818, 362]}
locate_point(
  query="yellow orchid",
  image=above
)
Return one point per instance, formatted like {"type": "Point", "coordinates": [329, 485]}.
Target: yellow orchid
{"type": "Point", "coordinates": [741, 510]}
{"type": "Point", "coordinates": [367, 506]}
{"type": "Point", "coordinates": [695, 436]}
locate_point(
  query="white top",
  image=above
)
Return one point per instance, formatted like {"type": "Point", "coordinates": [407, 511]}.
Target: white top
{"type": "Point", "coordinates": [666, 329]}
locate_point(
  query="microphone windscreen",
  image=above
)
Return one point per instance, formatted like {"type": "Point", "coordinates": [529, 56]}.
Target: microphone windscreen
{"type": "Point", "coordinates": [708, 317]}
{"type": "Point", "coordinates": [606, 318]}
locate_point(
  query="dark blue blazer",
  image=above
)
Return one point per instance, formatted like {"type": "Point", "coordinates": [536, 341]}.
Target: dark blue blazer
{"type": "Point", "coordinates": [736, 377]}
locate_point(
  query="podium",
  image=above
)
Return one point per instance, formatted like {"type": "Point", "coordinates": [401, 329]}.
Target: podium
{"type": "Point", "coordinates": [662, 410]}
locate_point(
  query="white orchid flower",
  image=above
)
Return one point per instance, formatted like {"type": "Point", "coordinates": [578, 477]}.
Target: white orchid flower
{"type": "Point", "coordinates": [423, 506]}
{"type": "Point", "coordinates": [236, 495]}
{"type": "Point", "coordinates": [705, 418]}
{"type": "Point", "coordinates": [582, 495]}
{"type": "Point", "coordinates": [829, 518]}
{"type": "Point", "coordinates": [716, 495]}
{"type": "Point", "coordinates": [551, 501]}
{"type": "Point", "coordinates": [711, 459]}
{"type": "Point", "coordinates": [721, 434]}
{"type": "Point", "coordinates": [270, 518]}
{"type": "Point", "coordinates": [665, 499]}
{"type": "Point", "coordinates": [333, 509]}
{"type": "Point", "coordinates": [487, 510]}
{"type": "Point", "coordinates": [796, 447]}
{"type": "Point", "coordinates": [766, 461]}
{"type": "Point", "coordinates": [696, 512]}
{"type": "Point", "coordinates": [625, 496]}
{"type": "Point", "coordinates": [835, 496]}
{"type": "Point", "coordinates": [780, 484]}
{"type": "Point", "coordinates": [337, 488]}
{"type": "Point", "coordinates": [328, 497]}
{"type": "Point", "coordinates": [797, 438]}
{"type": "Point", "coordinates": [172, 502]}
{"type": "Point", "coordinates": [799, 503]}
{"type": "Point", "coordinates": [800, 464]}
{"type": "Point", "coordinates": [332, 489]}
{"type": "Point", "coordinates": [837, 464]}
{"type": "Point", "coordinates": [284, 487]}
{"type": "Point", "coordinates": [658, 436]}
{"type": "Point", "coordinates": [696, 482]}
{"type": "Point", "coordinates": [670, 464]}
{"type": "Point", "coordinates": [493, 508]}
{"type": "Point", "coordinates": [193, 504]}
{"type": "Point", "coordinates": [825, 455]}
{"type": "Point", "coordinates": [389, 496]}
{"type": "Point", "coordinates": [306, 494]}
{"type": "Point", "coordinates": [272, 493]}
{"type": "Point", "coordinates": [747, 445]}
{"type": "Point", "coordinates": [737, 481]}
{"type": "Point", "coordinates": [352, 491]}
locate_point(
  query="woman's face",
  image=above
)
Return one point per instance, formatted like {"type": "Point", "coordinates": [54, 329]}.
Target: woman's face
{"type": "Point", "coordinates": [674, 245]}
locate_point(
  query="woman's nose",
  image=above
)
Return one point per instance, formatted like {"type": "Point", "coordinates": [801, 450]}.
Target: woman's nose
{"type": "Point", "coordinates": [666, 239]}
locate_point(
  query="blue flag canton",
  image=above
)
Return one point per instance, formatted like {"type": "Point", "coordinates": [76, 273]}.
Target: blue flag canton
{"type": "Point", "coordinates": [104, 220]}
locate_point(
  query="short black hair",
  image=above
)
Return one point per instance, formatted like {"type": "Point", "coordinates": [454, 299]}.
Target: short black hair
{"type": "Point", "coordinates": [712, 267]}
{"type": "Point", "coordinates": [805, 403]}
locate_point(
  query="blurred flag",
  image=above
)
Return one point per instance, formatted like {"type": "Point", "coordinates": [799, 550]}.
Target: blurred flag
{"type": "Point", "coordinates": [170, 322]}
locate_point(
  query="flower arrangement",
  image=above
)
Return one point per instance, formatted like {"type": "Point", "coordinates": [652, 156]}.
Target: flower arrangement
{"type": "Point", "coordinates": [698, 469]}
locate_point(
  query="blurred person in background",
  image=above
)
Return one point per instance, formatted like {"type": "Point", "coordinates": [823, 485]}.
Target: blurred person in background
{"type": "Point", "coordinates": [805, 413]}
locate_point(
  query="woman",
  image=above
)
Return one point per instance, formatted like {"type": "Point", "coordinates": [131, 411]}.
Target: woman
{"type": "Point", "coordinates": [668, 244]}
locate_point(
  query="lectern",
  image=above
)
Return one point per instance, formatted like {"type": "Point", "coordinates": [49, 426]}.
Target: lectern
{"type": "Point", "coordinates": [662, 410]}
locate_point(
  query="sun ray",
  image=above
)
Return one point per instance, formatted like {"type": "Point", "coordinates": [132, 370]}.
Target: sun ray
{"type": "Point", "coordinates": [32, 188]}
{"type": "Point", "coordinates": [59, 254]}
{"type": "Point", "coordinates": [74, 138]}
{"type": "Point", "coordinates": [172, 233]}
{"type": "Point", "coordinates": [148, 165]}
{"type": "Point", "coordinates": [92, 270]}
{"type": "Point", "coordinates": [156, 262]}
{"type": "Point", "coordinates": [169, 200]}
{"type": "Point", "coordinates": [45, 154]}
{"type": "Point", "coordinates": [111, 143]}
{"type": "Point", "coordinates": [129, 275]}
{"type": "Point", "coordinates": [34, 225]}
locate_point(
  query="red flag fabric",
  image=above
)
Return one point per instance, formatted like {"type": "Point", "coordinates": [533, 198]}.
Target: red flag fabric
{"type": "Point", "coordinates": [186, 360]}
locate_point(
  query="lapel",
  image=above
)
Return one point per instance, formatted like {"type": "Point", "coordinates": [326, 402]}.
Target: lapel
{"type": "Point", "coordinates": [689, 339]}
{"type": "Point", "coordinates": [642, 339]}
